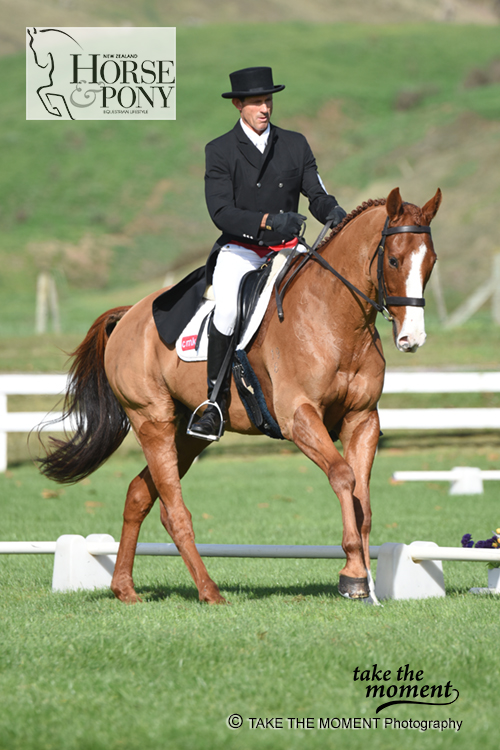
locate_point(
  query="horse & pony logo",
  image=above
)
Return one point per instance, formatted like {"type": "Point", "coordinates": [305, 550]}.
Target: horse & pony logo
{"type": "Point", "coordinates": [100, 73]}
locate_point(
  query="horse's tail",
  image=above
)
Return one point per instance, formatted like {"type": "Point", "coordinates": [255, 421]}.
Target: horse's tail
{"type": "Point", "coordinates": [100, 423]}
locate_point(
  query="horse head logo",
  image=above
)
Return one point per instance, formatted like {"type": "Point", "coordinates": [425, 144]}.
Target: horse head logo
{"type": "Point", "coordinates": [49, 48]}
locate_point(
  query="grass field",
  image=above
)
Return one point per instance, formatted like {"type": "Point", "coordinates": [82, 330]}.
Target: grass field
{"type": "Point", "coordinates": [84, 671]}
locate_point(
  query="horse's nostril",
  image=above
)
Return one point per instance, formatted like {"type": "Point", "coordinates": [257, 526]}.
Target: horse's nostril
{"type": "Point", "coordinates": [405, 345]}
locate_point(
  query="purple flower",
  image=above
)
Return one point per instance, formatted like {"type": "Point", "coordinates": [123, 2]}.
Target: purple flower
{"type": "Point", "coordinates": [467, 541]}
{"type": "Point", "coordinates": [486, 543]}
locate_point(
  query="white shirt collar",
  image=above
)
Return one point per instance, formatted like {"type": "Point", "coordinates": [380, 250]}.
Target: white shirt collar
{"type": "Point", "coordinates": [258, 140]}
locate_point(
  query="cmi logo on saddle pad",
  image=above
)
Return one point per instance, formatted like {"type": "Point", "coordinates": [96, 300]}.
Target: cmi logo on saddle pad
{"type": "Point", "coordinates": [188, 343]}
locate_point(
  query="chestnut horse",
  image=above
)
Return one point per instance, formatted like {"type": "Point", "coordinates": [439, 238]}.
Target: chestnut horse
{"type": "Point", "coordinates": [321, 369]}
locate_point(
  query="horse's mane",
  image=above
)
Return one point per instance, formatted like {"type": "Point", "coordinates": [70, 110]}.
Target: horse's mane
{"type": "Point", "coordinates": [371, 203]}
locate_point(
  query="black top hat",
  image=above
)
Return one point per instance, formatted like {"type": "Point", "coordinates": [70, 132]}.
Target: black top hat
{"type": "Point", "coordinates": [251, 82]}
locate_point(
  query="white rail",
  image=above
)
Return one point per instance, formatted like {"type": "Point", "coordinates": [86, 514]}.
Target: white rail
{"type": "Point", "coordinates": [442, 476]}
{"type": "Point", "coordinates": [391, 419]}
{"type": "Point", "coordinates": [441, 382]}
{"type": "Point", "coordinates": [271, 551]}
{"type": "Point", "coordinates": [23, 384]}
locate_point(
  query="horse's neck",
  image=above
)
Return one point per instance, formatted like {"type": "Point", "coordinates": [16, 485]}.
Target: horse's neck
{"type": "Point", "coordinates": [351, 253]}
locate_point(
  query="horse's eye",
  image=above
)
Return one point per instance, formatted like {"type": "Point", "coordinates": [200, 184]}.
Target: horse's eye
{"type": "Point", "coordinates": [393, 262]}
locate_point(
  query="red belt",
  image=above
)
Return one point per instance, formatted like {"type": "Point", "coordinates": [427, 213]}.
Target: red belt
{"type": "Point", "coordinates": [262, 251]}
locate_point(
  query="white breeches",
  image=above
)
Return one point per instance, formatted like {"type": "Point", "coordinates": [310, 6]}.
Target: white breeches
{"type": "Point", "coordinates": [233, 262]}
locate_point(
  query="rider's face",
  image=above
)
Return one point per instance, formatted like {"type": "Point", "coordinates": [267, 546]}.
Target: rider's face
{"type": "Point", "coordinates": [255, 111]}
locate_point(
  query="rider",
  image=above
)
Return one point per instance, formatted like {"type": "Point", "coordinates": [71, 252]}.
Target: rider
{"type": "Point", "coordinates": [254, 176]}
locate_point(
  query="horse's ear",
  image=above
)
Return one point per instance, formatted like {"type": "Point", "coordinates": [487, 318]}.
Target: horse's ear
{"type": "Point", "coordinates": [394, 204]}
{"type": "Point", "coordinates": [431, 207]}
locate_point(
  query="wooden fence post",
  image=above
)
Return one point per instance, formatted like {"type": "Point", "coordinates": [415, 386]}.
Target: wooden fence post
{"type": "Point", "coordinates": [46, 302]}
{"type": "Point", "coordinates": [3, 433]}
{"type": "Point", "coordinates": [490, 288]}
{"type": "Point", "coordinates": [437, 290]}
{"type": "Point", "coordinates": [495, 304]}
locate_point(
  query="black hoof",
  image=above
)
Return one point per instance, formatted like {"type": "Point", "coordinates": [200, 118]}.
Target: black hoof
{"type": "Point", "coordinates": [353, 588]}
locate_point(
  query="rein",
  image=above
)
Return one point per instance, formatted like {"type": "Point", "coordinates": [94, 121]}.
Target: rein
{"type": "Point", "coordinates": [383, 299]}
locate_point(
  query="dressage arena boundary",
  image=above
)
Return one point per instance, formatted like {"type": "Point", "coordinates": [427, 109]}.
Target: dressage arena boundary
{"type": "Point", "coordinates": [404, 571]}
{"type": "Point", "coordinates": [464, 480]}
{"type": "Point", "coordinates": [390, 419]}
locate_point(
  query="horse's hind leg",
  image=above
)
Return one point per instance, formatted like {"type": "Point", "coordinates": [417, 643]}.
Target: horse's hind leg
{"type": "Point", "coordinates": [169, 456]}
{"type": "Point", "coordinates": [141, 496]}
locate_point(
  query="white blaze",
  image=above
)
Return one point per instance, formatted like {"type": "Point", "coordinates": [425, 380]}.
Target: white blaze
{"type": "Point", "coordinates": [412, 333]}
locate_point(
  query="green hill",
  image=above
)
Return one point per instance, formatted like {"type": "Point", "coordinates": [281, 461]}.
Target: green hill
{"type": "Point", "coordinates": [110, 206]}
{"type": "Point", "coordinates": [194, 13]}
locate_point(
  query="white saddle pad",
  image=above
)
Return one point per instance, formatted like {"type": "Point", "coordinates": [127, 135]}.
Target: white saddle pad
{"type": "Point", "coordinates": [192, 347]}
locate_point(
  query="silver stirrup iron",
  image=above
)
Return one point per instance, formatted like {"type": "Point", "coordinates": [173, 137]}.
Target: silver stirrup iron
{"type": "Point", "coordinates": [209, 438]}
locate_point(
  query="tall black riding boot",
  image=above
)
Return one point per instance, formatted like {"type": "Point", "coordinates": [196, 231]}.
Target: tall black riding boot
{"type": "Point", "coordinates": [208, 427]}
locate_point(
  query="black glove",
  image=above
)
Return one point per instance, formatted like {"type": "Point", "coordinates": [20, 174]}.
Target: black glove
{"type": "Point", "coordinates": [288, 225]}
{"type": "Point", "coordinates": [336, 216]}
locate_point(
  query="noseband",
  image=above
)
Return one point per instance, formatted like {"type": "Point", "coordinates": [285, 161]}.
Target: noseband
{"type": "Point", "coordinates": [383, 299]}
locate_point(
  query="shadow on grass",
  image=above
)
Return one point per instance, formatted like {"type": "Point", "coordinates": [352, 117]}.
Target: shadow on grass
{"type": "Point", "coordinates": [289, 594]}
{"type": "Point", "coordinates": [293, 594]}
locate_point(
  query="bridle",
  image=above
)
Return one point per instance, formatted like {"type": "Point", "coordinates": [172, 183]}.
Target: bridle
{"type": "Point", "coordinates": [383, 299]}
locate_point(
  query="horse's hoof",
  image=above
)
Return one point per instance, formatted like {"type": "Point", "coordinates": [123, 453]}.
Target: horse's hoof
{"type": "Point", "coordinates": [353, 588]}
{"type": "Point", "coordinates": [129, 599]}
{"type": "Point", "coordinates": [210, 594]}
{"type": "Point", "coordinates": [127, 596]}
{"type": "Point", "coordinates": [219, 600]}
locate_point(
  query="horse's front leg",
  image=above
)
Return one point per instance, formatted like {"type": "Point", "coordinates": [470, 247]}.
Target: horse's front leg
{"type": "Point", "coordinates": [360, 437]}
{"type": "Point", "coordinates": [310, 435]}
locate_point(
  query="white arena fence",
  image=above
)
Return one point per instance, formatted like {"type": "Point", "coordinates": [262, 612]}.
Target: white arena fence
{"type": "Point", "coordinates": [464, 480]}
{"type": "Point", "coordinates": [390, 419]}
{"type": "Point", "coordinates": [22, 384]}
{"type": "Point", "coordinates": [404, 571]}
